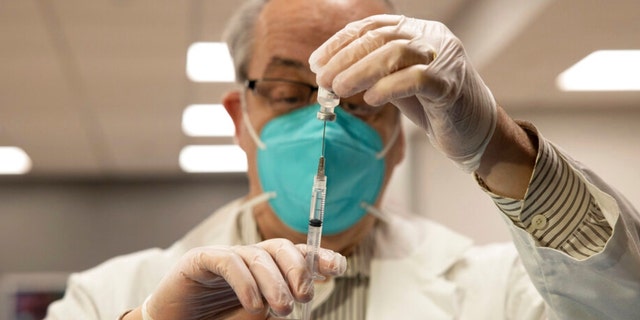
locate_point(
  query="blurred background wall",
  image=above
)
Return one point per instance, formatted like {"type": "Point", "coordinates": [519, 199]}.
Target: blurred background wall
{"type": "Point", "coordinates": [73, 225]}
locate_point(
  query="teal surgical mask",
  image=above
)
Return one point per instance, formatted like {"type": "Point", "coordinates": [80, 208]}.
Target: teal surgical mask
{"type": "Point", "coordinates": [287, 159]}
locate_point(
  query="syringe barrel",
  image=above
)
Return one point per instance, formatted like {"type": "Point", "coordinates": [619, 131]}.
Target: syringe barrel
{"type": "Point", "coordinates": [316, 216]}
{"type": "Point", "coordinates": [318, 195]}
{"type": "Point", "coordinates": [314, 237]}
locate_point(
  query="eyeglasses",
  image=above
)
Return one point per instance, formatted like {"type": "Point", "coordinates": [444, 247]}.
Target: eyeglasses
{"type": "Point", "coordinates": [287, 95]}
{"type": "Point", "coordinates": [283, 95]}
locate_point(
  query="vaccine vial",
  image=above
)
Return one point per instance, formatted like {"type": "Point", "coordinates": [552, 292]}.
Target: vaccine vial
{"type": "Point", "coordinates": [328, 102]}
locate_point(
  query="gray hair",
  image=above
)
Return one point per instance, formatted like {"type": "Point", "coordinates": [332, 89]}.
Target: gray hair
{"type": "Point", "coordinates": [239, 35]}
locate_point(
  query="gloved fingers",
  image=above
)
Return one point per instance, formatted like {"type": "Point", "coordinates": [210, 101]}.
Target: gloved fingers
{"type": "Point", "coordinates": [370, 42]}
{"type": "Point", "coordinates": [209, 263]}
{"type": "Point", "coordinates": [330, 262]}
{"type": "Point", "coordinates": [412, 108]}
{"type": "Point", "coordinates": [352, 31]}
{"type": "Point", "coordinates": [206, 277]}
{"type": "Point", "coordinates": [292, 265]}
{"type": "Point", "coordinates": [381, 47]}
{"type": "Point", "coordinates": [404, 60]}
{"type": "Point", "coordinates": [416, 80]}
{"type": "Point", "coordinates": [268, 277]}
{"type": "Point", "coordinates": [392, 57]}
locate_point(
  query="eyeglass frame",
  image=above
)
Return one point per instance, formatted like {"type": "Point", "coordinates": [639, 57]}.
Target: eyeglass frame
{"type": "Point", "coordinates": [251, 85]}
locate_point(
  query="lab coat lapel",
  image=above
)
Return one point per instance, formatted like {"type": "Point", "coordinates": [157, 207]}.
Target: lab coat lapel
{"type": "Point", "coordinates": [412, 285]}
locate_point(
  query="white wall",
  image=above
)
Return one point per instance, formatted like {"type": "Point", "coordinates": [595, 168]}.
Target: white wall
{"type": "Point", "coordinates": [606, 140]}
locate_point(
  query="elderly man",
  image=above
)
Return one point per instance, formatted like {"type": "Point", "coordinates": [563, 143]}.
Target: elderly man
{"type": "Point", "coordinates": [575, 237]}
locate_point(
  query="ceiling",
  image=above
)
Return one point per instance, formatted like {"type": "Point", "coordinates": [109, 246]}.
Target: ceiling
{"type": "Point", "coordinates": [97, 88]}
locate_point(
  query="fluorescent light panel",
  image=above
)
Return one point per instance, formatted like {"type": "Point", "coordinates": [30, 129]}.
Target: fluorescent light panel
{"type": "Point", "coordinates": [14, 160]}
{"type": "Point", "coordinates": [209, 62]}
{"type": "Point", "coordinates": [213, 158]}
{"type": "Point", "coordinates": [603, 70]}
{"type": "Point", "coordinates": [207, 120]}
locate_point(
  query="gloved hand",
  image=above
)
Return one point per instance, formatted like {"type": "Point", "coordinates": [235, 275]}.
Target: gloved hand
{"type": "Point", "coordinates": [420, 67]}
{"type": "Point", "coordinates": [235, 282]}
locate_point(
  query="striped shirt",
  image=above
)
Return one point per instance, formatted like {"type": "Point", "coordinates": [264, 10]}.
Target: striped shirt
{"type": "Point", "coordinates": [558, 211]}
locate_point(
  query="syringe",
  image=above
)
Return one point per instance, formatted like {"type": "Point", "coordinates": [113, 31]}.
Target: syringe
{"type": "Point", "coordinates": [314, 235]}
{"type": "Point", "coordinates": [328, 102]}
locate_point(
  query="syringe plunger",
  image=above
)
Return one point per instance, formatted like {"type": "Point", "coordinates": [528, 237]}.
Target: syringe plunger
{"type": "Point", "coordinates": [320, 172]}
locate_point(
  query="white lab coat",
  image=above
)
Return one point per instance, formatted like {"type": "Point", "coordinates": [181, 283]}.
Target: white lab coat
{"type": "Point", "coordinates": [420, 270]}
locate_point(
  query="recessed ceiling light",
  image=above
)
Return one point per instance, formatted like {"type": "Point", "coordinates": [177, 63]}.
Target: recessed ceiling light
{"type": "Point", "coordinates": [603, 70]}
{"type": "Point", "coordinates": [213, 158]}
{"type": "Point", "coordinates": [209, 62]}
{"type": "Point", "coordinates": [14, 160]}
{"type": "Point", "coordinates": [207, 120]}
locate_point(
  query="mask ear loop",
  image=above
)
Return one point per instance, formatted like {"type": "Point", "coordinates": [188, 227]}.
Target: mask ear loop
{"type": "Point", "coordinates": [247, 123]}
{"type": "Point", "coordinates": [394, 137]}
{"type": "Point", "coordinates": [374, 212]}
{"type": "Point", "coordinates": [258, 199]}
{"type": "Point", "coordinates": [369, 208]}
{"type": "Point", "coordinates": [256, 139]}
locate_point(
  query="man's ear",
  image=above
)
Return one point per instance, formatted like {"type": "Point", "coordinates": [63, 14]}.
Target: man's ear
{"type": "Point", "coordinates": [233, 104]}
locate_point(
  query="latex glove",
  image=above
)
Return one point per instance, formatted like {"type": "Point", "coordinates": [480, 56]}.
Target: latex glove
{"type": "Point", "coordinates": [221, 282]}
{"type": "Point", "coordinates": [422, 68]}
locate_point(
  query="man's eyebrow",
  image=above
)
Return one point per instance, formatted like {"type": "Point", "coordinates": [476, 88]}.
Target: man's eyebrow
{"type": "Point", "coordinates": [285, 62]}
